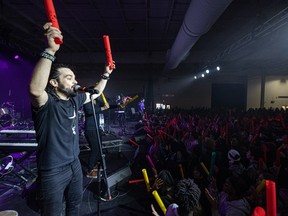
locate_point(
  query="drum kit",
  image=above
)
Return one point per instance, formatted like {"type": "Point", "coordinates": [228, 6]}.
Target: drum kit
{"type": "Point", "coordinates": [8, 117]}
{"type": "Point", "coordinates": [7, 114]}
{"type": "Point", "coordinates": [81, 121]}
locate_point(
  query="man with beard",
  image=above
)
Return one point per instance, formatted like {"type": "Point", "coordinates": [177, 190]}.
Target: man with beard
{"type": "Point", "coordinates": [55, 106]}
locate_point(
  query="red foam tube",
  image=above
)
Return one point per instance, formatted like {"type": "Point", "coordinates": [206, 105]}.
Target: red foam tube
{"type": "Point", "coordinates": [259, 211]}
{"type": "Point", "coordinates": [271, 198]}
{"type": "Point", "coordinates": [108, 50]}
{"type": "Point", "coordinates": [52, 17]}
{"type": "Point", "coordinates": [138, 180]}
{"type": "Point", "coordinates": [147, 129]}
{"type": "Point", "coordinates": [162, 132]}
{"type": "Point", "coordinates": [134, 143]}
{"type": "Point", "coordinates": [150, 136]}
{"type": "Point", "coordinates": [135, 181]}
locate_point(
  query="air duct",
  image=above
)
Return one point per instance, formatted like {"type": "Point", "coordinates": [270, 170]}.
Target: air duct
{"type": "Point", "coordinates": [199, 18]}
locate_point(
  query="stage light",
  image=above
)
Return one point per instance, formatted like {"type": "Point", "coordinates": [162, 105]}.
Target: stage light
{"type": "Point", "coordinates": [207, 71]}
{"type": "Point", "coordinates": [203, 75]}
{"type": "Point", "coordinates": [195, 77]}
{"type": "Point", "coordinates": [16, 57]}
{"type": "Point", "coordinates": [218, 68]}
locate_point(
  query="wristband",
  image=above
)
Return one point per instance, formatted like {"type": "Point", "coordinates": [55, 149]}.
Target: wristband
{"type": "Point", "coordinates": [105, 77]}
{"type": "Point", "coordinates": [47, 55]}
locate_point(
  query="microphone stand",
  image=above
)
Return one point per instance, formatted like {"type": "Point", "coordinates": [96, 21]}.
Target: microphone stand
{"type": "Point", "coordinates": [103, 162]}
{"type": "Point", "coordinates": [108, 122]}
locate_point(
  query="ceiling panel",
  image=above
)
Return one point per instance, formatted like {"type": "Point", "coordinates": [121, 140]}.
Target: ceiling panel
{"type": "Point", "coordinates": [149, 28]}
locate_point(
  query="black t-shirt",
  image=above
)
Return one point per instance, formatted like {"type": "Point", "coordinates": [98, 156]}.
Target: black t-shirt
{"type": "Point", "coordinates": [57, 134]}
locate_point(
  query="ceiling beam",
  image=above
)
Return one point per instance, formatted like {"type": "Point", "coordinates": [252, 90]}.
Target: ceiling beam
{"type": "Point", "coordinates": [268, 27]}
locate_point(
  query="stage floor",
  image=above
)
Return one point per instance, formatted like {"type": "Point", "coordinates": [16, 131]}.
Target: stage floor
{"type": "Point", "coordinates": [123, 164]}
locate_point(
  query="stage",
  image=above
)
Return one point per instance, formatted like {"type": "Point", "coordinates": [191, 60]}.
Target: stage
{"type": "Point", "coordinates": [18, 172]}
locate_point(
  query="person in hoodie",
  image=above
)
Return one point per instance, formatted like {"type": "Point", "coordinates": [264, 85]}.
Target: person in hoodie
{"type": "Point", "coordinates": [236, 168]}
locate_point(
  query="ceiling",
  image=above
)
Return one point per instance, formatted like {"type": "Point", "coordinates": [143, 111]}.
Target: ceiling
{"type": "Point", "coordinates": [250, 36]}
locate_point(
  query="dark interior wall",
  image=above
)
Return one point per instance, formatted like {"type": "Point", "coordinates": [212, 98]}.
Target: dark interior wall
{"type": "Point", "coordinates": [225, 96]}
{"type": "Point", "coordinates": [15, 76]}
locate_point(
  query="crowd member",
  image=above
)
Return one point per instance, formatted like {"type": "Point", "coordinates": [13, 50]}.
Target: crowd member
{"type": "Point", "coordinates": [231, 201]}
{"type": "Point", "coordinates": [187, 196]}
{"type": "Point", "coordinates": [166, 187]}
{"type": "Point", "coordinates": [202, 182]}
{"type": "Point", "coordinates": [236, 168]}
{"type": "Point", "coordinates": [55, 106]}
{"type": "Point", "coordinates": [93, 135]}
{"type": "Point", "coordinates": [253, 171]}
{"type": "Point", "coordinates": [186, 200]}
{"type": "Point", "coordinates": [231, 135]}
{"type": "Point", "coordinates": [282, 167]}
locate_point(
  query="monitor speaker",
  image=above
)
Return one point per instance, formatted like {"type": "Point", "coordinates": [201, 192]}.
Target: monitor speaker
{"type": "Point", "coordinates": [119, 176]}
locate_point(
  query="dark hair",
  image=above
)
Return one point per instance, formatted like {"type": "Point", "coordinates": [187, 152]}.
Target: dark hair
{"type": "Point", "coordinates": [240, 185]}
{"type": "Point", "coordinates": [166, 176]}
{"type": "Point", "coordinates": [256, 152]}
{"type": "Point", "coordinates": [54, 74]}
{"type": "Point", "coordinates": [188, 196]}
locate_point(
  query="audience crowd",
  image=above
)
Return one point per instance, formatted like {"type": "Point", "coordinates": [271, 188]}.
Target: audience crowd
{"type": "Point", "coordinates": [214, 163]}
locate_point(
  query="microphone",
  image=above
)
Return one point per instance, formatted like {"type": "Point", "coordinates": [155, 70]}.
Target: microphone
{"type": "Point", "coordinates": [91, 90]}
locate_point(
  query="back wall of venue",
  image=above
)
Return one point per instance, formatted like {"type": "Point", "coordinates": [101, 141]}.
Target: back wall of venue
{"type": "Point", "coordinates": [267, 91]}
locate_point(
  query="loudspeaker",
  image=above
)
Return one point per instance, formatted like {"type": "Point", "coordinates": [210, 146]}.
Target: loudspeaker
{"type": "Point", "coordinates": [119, 177]}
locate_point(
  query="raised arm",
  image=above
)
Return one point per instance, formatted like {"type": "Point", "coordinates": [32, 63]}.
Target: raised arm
{"type": "Point", "coordinates": [104, 78]}
{"type": "Point", "coordinates": [39, 80]}
{"type": "Point", "coordinates": [100, 86]}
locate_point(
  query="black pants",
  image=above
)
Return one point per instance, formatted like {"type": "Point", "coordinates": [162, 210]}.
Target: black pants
{"type": "Point", "coordinates": [93, 141]}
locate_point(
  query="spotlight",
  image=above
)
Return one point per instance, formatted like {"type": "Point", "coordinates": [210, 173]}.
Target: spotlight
{"type": "Point", "coordinates": [16, 57]}
{"type": "Point", "coordinates": [218, 68]}
{"type": "Point", "coordinates": [207, 71]}
{"type": "Point", "coordinates": [203, 75]}
{"type": "Point", "coordinates": [195, 77]}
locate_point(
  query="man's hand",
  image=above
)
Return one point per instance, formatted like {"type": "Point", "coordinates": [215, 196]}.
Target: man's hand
{"type": "Point", "coordinates": [212, 200]}
{"type": "Point", "coordinates": [51, 33]}
{"type": "Point", "coordinates": [157, 184]}
{"type": "Point", "coordinates": [154, 212]}
{"type": "Point", "coordinates": [105, 107]}
{"type": "Point", "coordinates": [108, 67]}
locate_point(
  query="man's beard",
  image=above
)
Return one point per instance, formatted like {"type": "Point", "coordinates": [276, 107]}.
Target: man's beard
{"type": "Point", "coordinates": [69, 92]}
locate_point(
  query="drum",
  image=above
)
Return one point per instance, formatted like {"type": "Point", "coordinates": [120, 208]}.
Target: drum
{"type": "Point", "coordinates": [81, 117]}
{"type": "Point", "coordinates": [4, 111]}
{"type": "Point", "coordinates": [7, 108]}
{"type": "Point", "coordinates": [81, 122]}
{"type": "Point", "coordinates": [5, 120]}
{"type": "Point", "coordinates": [101, 120]}
{"type": "Point", "coordinates": [6, 114]}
